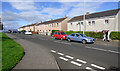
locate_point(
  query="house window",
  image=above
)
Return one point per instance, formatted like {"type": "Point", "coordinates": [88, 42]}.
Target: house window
{"type": "Point", "coordinates": [106, 21]}
{"type": "Point", "coordinates": [49, 30]}
{"type": "Point", "coordinates": [93, 22]}
{"type": "Point", "coordinates": [52, 25]}
{"type": "Point", "coordinates": [71, 23]}
{"type": "Point", "coordinates": [57, 24]}
{"type": "Point", "coordinates": [81, 23]}
{"type": "Point", "coordinates": [89, 22]}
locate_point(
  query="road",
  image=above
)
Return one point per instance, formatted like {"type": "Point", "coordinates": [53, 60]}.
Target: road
{"type": "Point", "coordinates": [75, 55]}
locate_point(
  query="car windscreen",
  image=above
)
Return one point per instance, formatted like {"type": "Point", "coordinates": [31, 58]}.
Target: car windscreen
{"type": "Point", "coordinates": [83, 35]}
{"type": "Point", "coordinates": [63, 33]}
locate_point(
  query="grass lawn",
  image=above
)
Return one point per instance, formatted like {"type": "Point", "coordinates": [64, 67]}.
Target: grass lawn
{"type": "Point", "coordinates": [11, 53]}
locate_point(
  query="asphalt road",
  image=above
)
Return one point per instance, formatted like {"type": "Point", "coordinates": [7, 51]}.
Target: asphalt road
{"type": "Point", "coordinates": [75, 55]}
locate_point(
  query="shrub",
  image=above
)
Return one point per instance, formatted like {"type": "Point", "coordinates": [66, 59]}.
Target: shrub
{"type": "Point", "coordinates": [88, 33]}
{"type": "Point", "coordinates": [115, 35]}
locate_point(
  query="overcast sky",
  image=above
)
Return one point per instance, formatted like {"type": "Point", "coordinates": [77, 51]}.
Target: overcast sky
{"type": "Point", "coordinates": [16, 14]}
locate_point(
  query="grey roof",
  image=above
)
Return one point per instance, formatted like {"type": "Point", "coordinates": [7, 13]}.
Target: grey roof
{"type": "Point", "coordinates": [95, 15]}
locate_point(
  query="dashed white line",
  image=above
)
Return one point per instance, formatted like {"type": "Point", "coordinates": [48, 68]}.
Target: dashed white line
{"type": "Point", "coordinates": [69, 57]}
{"type": "Point", "coordinates": [99, 67]}
{"type": "Point", "coordinates": [81, 61]}
{"type": "Point", "coordinates": [65, 59]}
{"type": "Point", "coordinates": [88, 68]}
{"type": "Point", "coordinates": [60, 53]}
{"type": "Point", "coordinates": [53, 51]}
{"type": "Point", "coordinates": [75, 63]}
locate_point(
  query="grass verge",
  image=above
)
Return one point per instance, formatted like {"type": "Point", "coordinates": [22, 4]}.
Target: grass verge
{"type": "Point", "coordinates": [12, 53]}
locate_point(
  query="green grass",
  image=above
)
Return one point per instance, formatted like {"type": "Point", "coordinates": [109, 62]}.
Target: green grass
{"type": "Point", "coordinates": [11, 53]}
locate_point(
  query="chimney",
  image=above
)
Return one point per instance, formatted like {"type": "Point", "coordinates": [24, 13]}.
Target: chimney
{"type": "Point", "coordinates": [65, 16]}
{"type": "Point", "coordinates": [87, 13]}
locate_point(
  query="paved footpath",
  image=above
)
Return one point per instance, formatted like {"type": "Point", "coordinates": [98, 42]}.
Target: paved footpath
{"type": "Point", "coordinates": [36, 56]}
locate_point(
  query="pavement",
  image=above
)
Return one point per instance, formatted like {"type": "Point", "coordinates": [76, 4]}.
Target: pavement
{"type": "Point", "coordinates": [36, 56]}
{"type": "Point", "coordinates": [78, 56]}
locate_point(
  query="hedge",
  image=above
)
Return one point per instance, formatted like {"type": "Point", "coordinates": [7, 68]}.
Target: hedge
{"type": "Point", "coordinates": [115, 35]}
{"type": "Point", "coordinates": [98, 35]}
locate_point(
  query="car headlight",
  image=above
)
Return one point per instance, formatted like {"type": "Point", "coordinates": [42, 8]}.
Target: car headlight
{"type": "Point", "coordinates": [64, 36]}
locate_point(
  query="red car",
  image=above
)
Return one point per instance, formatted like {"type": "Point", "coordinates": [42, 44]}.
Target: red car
{"type": "Point", "coordinates": [59, 35]}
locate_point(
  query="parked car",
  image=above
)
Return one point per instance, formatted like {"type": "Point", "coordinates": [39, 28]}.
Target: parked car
{"type": "Point", "coordinates": [28, 33]}
{"type": "Point", "coordinates": [80, 37]}
{"type": "Point", "coordinates": [59, 35]}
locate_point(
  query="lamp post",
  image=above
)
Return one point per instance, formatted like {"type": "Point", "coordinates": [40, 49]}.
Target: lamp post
{"type": "Point", "coordinates": [84, 18]}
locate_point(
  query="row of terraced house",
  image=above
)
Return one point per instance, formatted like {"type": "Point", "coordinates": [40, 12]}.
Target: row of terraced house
{"type": "Point", "coordinates": [106, 20]}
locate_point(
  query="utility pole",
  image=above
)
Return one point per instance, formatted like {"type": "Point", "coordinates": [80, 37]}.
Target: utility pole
{"type": "Point", "coordinates": [84, 18]}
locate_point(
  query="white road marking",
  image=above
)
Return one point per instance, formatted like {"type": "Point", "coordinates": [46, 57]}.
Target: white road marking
{"type": "Point", "coordinates": [102, 49]}
{"type": "Point", "coordinates": [81, 61]}
{"type": "Point", "coordinates": [65, 59]}
{"type": "Point", "coordinates": [99, 49]}
{"type": "Point", "coordinates": [113, 51]}
{"type": "Point", "coordinates": [60, 53]}
{"type": "Point", "coordinates": [88, 47]}
{"type": "Point", "coordinates": [99, 67]}
{"type": "Point", "coordinates": [88, 68]}
{"type": "Point", "coordinates": [75, 63]}
{"type": "Point", "coordinates": [53, 51]}
{"type": "Point", "coordinates": [69, 57]}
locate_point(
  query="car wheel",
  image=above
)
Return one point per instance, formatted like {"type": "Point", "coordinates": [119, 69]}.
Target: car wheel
{"type": "Point", "coordinates": [54, 37]}
{"type": "Point", "coordinates": [69, 39]}
{"type": "Point", "coordinates": [61, 38]}
{"type": "Point", "coordinates": [84, 41]}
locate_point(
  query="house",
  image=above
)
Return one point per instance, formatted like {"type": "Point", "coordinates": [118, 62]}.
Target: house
{"type": "Point", "coordinates": [100, 21]}
{"type": "Point", "coordinates": [47, 26]}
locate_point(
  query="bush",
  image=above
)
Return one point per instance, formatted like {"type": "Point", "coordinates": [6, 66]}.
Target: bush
{"type": "Point", "coordinates": [89, 34]}
{"type": "Point", "coordinates": [70, 32]}
{"type": "Point", "coordinates": [115, 35]}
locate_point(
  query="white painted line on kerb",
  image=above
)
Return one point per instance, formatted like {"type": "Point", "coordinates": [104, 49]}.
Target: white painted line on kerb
{"type": "Point", "coordinates": [88, 68]}
{"type": "Point", "coordinates": [53, 51]}
{"type": "Point", "coordinates": [69, 57]}
{"type": "Point", "coordinates": [99, 67]}
{"type": "Point", "coordinates": [113, 51]}
{"type": "Point", "coordinates": [65, 59]}
{"type": "Point", "coordinates": [60, 53]}
{"type": "Point", "coordinates": [102, 49]}
{"type": "Point", "coordinates": [75, 63]}
{"type": "Point", "coordinates": [81, 61]}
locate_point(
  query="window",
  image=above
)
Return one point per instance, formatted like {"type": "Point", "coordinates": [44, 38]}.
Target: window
{"type": "Point", "coordinates": [72, 34]}
{"type": "Point", "coordinates": [81, 23]}
{"type": "Point", "coordinates": [93, 22]}
{"type": "Point", "coordinates": [63, 33]}
{"type": "Point", "coordinates": [106, 21]}
{"type": "Point", "coordinates": [52, 25]}
{"type": "Point", "coordinates": [58, 33]}
{"type": "Point", "coordinates": [55, 32]}
{"type": "Point", "coordinates": [71, 24]}
{"type": "Point", "coordinates": [57, 24]}
{"type": "Point", "coordinates": [77, 35]}
{"type": "Point", "coordinates": [89, 22]}
{"type": "Point", "coordinates": [40, 30]}
{"type": "Point", "coordinates": [49, 30]}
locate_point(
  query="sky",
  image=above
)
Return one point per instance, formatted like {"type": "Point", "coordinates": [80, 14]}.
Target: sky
{"type": "Point", "coordinates": [16, 14]}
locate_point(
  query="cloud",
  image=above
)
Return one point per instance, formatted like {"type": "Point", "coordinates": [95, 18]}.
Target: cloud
{"type": "Point", "coordinates": [24, 6]}
{"type": "Point", "coordinates": [79, 9]}
{"type": "Point", "coordinates": [11, 24]}
{"type": "Point", "coordinates": [10, 16]}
